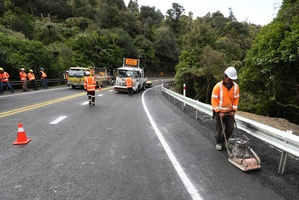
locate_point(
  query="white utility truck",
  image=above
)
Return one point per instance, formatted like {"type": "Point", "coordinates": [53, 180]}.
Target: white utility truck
{"type": "Point", "coordinates": [130, 66]}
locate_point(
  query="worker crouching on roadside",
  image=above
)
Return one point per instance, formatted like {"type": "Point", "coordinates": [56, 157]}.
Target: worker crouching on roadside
{"type": "Point", "coordinates": [225, 100]}
{"type": "Point", "coordinates": [90, 87]}
{"type": "Point", "coordinates": [32, 80]}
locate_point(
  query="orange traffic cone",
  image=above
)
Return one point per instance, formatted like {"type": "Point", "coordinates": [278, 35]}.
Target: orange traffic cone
{"type": "Point", "coordinates": [21, 138]}
{"type": "Point", "coordinates": [100, 88]}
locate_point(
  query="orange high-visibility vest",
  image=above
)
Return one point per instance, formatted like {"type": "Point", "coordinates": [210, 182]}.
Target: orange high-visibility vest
{"type": "Point", "coordinates": [23, 76]}
{"type": "Point", "coordinates": [31, 76]}
{"type": "Point", "coordinates": [90, 83]}
{"type": "Point", "coordinates": [44, 75]}
{"type": "Point", "coordinates": [224, 100]}
{"type": "Point", "coordinates": [129, 82]}
{"type": "Point", "coordinates": [4, 77]}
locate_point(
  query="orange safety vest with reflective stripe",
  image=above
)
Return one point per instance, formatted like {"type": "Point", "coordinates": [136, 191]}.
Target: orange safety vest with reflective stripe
{"type": "Point", "coordinates": [43, 75]}
{"type": "Point", "coordinates": [224, 100]}
{"type": "Point", "coordinates": [90, 83]}
{"type": "Point", "coordinates": [129, 82]}
{"type": "Point", "coordinates": [31, 76]}
{"type": "Point", "coordinates": [23, 76]}
{"type": "Point", "coordinates": [4, 77]}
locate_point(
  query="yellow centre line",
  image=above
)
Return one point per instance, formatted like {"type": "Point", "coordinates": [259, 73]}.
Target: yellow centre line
{"type": "Point", "coordinates": [26, 108]}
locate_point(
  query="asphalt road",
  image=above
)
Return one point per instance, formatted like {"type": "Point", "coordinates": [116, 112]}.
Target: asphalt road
{"type": "Point", "coordinates": [140, 147]}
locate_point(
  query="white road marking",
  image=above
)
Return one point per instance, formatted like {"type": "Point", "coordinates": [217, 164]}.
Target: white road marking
{"type": "Point", "coordinates": [100, 95]}
{"type": "Point", "coordinates": [59, 119]}
{"type": "Point", "coordinates": [188, 184]}
{"type": "Point", "coordinates": [85, 103]}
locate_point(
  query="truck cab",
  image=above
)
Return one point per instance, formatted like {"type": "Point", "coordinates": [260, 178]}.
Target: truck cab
{"type": "Point", "coordinates": [76, 76]}
{"type": "Point", "coordinates": [130, 66]}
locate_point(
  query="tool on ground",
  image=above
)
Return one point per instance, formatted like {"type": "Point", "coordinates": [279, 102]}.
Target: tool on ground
{"type": "Point", "coordinates": [239, 151]}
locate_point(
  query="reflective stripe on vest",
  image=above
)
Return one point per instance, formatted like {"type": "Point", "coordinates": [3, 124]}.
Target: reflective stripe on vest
{"type": "Point", "coordinates": [31, 76]}
{"type": "Point", "coordinates": [221, 97]}
{"type": "Point", "coordinates": [44, 75]}
{"type": "Point", "coordinates": [89, 83]}
{"type": "Point", "coordinates": [129, 82]}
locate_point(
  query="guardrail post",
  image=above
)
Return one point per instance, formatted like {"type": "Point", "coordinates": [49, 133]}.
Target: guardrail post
{"type": "Point", "coordinates": [184, 91]}
{"type": "Point", "coordinates": [282, 162]}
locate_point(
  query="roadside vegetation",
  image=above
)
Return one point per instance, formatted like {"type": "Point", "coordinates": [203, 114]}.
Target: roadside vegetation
{"type": "Point", "coordinates": [59, 34]}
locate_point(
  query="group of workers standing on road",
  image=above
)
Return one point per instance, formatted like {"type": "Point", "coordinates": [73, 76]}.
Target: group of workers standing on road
{"type": "Point", "coordinates": [4, 80]}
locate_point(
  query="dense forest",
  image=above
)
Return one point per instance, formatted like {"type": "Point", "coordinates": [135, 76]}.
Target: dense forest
{"type": "Point", "coordinates": [58, 34]}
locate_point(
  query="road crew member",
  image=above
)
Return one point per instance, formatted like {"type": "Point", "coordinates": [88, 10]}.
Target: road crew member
{"type": "Point", "coordinates": [90, 87]}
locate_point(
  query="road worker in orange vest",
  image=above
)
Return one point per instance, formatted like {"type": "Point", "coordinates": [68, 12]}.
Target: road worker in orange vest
{"type": "Point", "coordinates": [225, 100]}
{"type": "Point", "coordinates": [129, 83]}
{"type": "Point", "coordinates": [31, 78]}
{"type": "Point", "coordinates": [90, 87]}
{"type": "Point", "coordinates": [43, 77]}
{"type": "Point", "coordinates": [23, 77]}
{"type": "Point", "coordinates": [4, 79]}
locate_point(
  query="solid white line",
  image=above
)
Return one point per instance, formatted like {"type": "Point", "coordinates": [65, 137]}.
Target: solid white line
{"type": "Point", "coordinates": [188, 184]}
{"type": "Point", "coordinates": [59, 119]}
{"type": "Point", "coordinates": [85, 103]}
{"type": "Point", "coordinates": [100, 95]}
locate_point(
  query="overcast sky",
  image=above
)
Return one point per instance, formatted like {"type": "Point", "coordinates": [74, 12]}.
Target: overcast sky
{"type": "Point", "coordinates": [259, 12]}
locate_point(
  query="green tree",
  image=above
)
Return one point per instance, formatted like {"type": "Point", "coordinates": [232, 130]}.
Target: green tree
{"type": "Point", "coordinates": [166, 49]}
{"type": "Point", "coordinates": [272, 67]}
{"type": "Point", "coordinates": [173, 16]}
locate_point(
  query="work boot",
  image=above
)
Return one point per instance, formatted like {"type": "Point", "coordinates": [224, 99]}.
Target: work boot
{"type": "Point", "coordinates": [89, 103]}
{"type": "Point", "coordinates": [219, 147]}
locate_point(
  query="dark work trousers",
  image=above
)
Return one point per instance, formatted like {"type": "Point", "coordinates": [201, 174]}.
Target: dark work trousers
{"type": "Point", "coordinates": [228, 123]}
{"type": "Point", "coordinates": [33, 84]}
{"type": "Point", "coordinates": [91, 96]}
{"type": "Point", "coordinates": [45, 82]}
{"type": "Point", "coordinates": [130, 91]}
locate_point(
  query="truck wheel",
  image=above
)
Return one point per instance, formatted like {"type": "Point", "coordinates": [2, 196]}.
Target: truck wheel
{"type": "Point", "coordinates": [73, 86]}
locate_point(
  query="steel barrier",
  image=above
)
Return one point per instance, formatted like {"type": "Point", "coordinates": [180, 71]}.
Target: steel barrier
{"type": "Point", "coordinates": [286, 142]}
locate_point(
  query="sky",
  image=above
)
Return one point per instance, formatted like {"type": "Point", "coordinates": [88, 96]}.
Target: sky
{"type": "Point", "coordinates": [260, 12]}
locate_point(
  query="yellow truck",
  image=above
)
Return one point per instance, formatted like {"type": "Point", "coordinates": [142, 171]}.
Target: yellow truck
{"type": "Point", "coordinates": [76, 76]}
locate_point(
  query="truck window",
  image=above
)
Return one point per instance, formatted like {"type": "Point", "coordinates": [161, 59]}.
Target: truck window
{"type": "Point", "coordinates": [76, 73]}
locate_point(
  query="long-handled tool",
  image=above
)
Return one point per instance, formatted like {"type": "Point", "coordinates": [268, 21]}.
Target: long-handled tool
{"type": "Point", "coordinates": [240, 153]}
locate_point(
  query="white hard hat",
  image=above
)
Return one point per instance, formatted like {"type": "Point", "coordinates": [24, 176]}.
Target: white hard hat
{"type": "Point", "coordinates": [87, 73]}
{"type": "Point", "coordinates": [231, 73]}
{"type": "Point", "coordinates": [129, 75]}
{"type": "Point", "coordinates": [22, 69]}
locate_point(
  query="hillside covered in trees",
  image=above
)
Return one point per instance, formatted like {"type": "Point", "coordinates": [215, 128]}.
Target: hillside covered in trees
{"type": "Point", "coordinates": [58, 34]}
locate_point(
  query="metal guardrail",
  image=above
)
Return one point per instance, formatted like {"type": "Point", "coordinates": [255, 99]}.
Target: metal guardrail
{"type": "Point", "coordinates": [18, 84]}
{"type": "Point", "coordinates": [286, 142]}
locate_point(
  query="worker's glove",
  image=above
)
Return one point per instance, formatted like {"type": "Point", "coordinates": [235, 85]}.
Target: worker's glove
{"type": "Point", "coordinates": [232, 113]}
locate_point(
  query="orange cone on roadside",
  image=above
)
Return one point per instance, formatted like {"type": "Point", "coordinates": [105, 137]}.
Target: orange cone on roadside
{"type": "Point", "coordinates": [21, 137]}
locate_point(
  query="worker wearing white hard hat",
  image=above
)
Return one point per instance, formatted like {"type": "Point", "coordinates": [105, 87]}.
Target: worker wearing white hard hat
{"type": "Point", "coordinates": [129, 84]}
{"type": "Point", "coordinates": [23, 77]}
{"type": "Point", "coordinates": [225, 100]}
{"type": "Point", "coordinates": [90, 87]}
